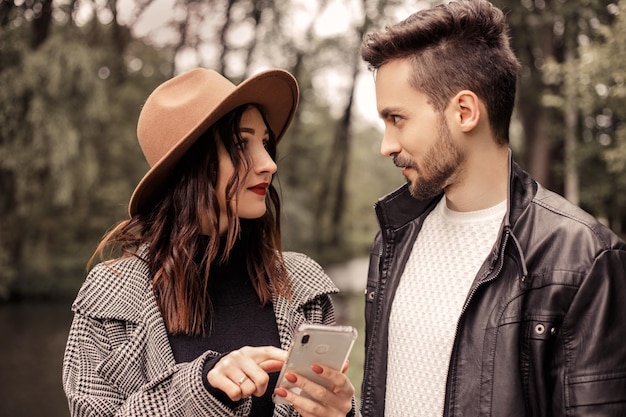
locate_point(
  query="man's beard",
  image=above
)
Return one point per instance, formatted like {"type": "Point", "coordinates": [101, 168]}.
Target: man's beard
{"type": "Point", "coordinates": [440, 163]}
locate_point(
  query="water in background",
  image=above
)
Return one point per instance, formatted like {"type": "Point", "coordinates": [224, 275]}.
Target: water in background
{"type": "Point", "coordinates": [32, 341]}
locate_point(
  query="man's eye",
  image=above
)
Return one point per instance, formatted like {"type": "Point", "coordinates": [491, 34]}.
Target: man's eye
{"type": "Point", "coordinates": [395, 119]}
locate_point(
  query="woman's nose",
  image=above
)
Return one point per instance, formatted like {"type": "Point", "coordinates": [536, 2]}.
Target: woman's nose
{"type": "Point", "coordinates": [263, 162]}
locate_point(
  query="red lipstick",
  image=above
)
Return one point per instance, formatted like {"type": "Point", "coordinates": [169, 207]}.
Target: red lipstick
{"type": "Point", "coordinates": [260, 188]}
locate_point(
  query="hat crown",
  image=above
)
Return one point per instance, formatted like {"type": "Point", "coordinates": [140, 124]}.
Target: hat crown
{"type": "Point", "coordinates": [176, 108]}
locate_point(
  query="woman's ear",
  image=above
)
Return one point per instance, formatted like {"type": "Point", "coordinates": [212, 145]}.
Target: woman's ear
{"type": "Point", "coordinates": [467, 110]}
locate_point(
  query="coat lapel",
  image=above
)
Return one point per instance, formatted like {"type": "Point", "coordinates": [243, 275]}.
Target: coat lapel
{"type": "Point", "coordinates": [120, 295]}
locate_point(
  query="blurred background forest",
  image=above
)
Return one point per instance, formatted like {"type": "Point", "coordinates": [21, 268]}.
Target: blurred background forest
{"type": "Point", "coordinates": [74, 74]}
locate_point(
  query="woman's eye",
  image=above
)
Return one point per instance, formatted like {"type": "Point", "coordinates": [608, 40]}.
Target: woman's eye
{"type": "Point", "coordinates": [395, 119]}
{"type": "Point", "coordinates": [241, 145]}
{"type": "Point", "coordinates": [266, 144]}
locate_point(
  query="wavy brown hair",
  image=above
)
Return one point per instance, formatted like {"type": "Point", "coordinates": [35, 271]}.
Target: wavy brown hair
{"type": "Point", "coordinates": [452, 47]}
{"type": "Point", "coordinates": [178, 255]}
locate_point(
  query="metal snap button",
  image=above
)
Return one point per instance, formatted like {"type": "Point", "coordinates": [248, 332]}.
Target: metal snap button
{"type": "Point", "coordinates": [540, 329]}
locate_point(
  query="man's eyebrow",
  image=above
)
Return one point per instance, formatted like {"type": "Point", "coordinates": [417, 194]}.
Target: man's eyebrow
{"type": "Point", "coordinates": [387, 111]}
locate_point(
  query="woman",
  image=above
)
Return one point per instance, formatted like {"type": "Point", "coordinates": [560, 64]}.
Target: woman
{"type": "Point", "coordinates": [194, 315]}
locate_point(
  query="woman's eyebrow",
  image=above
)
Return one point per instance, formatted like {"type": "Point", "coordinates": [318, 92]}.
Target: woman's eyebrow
{"type": "Point", "coordinates": [251, 130]}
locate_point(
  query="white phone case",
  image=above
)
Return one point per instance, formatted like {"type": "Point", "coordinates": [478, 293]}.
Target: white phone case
{"type": "Point", "coordinates": [316, 344]}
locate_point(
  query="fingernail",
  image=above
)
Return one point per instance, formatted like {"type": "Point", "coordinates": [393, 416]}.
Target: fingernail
{"type": "Point", "coordinates": [291, 378]}
{"type": "Point", "coordinates": [317, 369]}
{"type": "Point", "coordinates": [280, 392]}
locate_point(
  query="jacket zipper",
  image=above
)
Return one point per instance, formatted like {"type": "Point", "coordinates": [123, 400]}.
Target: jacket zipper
{"type": "Point", "coordinates": [494, 275]}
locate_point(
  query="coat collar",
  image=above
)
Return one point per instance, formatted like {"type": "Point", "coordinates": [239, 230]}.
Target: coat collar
{"type": "Point", "coordinates": [122, 290]}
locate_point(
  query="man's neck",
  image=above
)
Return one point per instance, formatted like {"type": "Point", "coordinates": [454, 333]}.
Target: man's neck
{"type": "Point", "coordinates": [483, 181]}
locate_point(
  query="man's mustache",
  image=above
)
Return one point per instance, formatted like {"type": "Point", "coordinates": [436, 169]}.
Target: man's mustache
{"type": "Point", "coordinates": [402, 162]}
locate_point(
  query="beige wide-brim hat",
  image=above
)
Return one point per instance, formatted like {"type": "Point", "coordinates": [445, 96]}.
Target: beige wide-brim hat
{"type": "Point", "coordinates": [182, 108]}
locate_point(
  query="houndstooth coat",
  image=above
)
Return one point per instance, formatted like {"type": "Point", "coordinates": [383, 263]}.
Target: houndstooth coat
{"type": "Point", "coordinates": [118, 361]}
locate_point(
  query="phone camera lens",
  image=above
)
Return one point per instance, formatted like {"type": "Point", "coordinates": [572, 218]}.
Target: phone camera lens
{"type": "Point", "coordinates": [305, 339]}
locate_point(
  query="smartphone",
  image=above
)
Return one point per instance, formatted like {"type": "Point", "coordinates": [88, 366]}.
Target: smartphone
{"type": "Point", "coordinates": [316, 344]}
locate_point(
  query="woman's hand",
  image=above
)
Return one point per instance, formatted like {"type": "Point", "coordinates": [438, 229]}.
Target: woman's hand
{"type": "Point", "coordinates": [244, 372]}
{"type": "Point", "coordinates": [336, 401]}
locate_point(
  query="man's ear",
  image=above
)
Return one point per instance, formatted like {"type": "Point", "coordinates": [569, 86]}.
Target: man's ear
{"type": "Point", "coordinates": [466, 109]}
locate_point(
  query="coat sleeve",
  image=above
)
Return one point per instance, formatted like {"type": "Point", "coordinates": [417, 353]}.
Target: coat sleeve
{"type": "Point", "coordinates": [594, 331]}
{"type": "Point", "coordinates": [102, 379]}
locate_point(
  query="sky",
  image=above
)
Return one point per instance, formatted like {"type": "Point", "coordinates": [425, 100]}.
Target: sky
{"type": "Point", "coordinates": [334, 20]}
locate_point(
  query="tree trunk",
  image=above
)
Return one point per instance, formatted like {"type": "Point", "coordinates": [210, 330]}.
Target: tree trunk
{"type": "Point", "coordinates": [120, 38]}
{"type": "Point", "coordinates": [571, 128]}
{"type": "Point", "coordinates": [41, 24]}
{"type": "Point", "coordinates": [223, 32]}
{"type": "Point", "coordinates": [537, 143]}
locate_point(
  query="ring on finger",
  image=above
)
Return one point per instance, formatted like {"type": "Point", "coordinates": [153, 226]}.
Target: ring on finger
{"type": "Point", "coordinates": [242, 380]}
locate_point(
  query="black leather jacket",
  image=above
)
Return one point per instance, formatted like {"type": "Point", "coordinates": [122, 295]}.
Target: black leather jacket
{"type": "Point", "coordinates": [543, 329]}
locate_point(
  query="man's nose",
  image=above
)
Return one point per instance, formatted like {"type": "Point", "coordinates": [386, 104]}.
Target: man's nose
{"type": "Point", "coordinates": [389, 145]}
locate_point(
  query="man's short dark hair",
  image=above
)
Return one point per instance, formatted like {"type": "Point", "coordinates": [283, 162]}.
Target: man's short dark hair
{"type": "Point", "coordinates": [462, 45]}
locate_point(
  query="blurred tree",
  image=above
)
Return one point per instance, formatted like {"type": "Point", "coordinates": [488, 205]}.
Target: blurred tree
{"type": "Point", "coordinates": [548, 37]}
{"type": "Point", "coordinates": [68, 153]}
{"type": "Point", "coordinates": [332, 237]}
{"type": "Point", "coordinates": [555, 93]}
{"type": "Point", "coordinates": [601, 81]}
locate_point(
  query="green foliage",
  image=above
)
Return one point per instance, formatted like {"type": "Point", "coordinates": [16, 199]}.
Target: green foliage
{"type": "Point", "coordinates": [571, 97]}
{"type": "Point", "coordinates": [602, 75]}
{"type": "Point", "coordinates": [69, 158]}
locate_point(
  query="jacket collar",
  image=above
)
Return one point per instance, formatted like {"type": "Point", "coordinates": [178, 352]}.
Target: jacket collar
{"type": "Point", "coordinates": [522, 190]}
{"type": "Point", "coordinates": [118, 290]}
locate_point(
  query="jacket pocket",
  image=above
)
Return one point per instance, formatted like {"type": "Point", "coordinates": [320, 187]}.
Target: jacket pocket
{"type": "Point", "coordinates": [596, 390]}
{"type": "Point", "coordinates": [124, 366]}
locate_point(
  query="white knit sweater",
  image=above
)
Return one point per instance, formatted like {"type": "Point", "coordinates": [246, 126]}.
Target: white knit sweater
{"type": "Point", "coordinates": [443, 263]}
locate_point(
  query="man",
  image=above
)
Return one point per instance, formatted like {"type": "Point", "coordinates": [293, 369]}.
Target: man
{"type": "Point", "coordinates": [487, 294]}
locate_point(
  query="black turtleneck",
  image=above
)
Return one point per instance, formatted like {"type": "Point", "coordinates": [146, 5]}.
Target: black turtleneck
{"type": "Point", "coordinates": [238, 319]}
